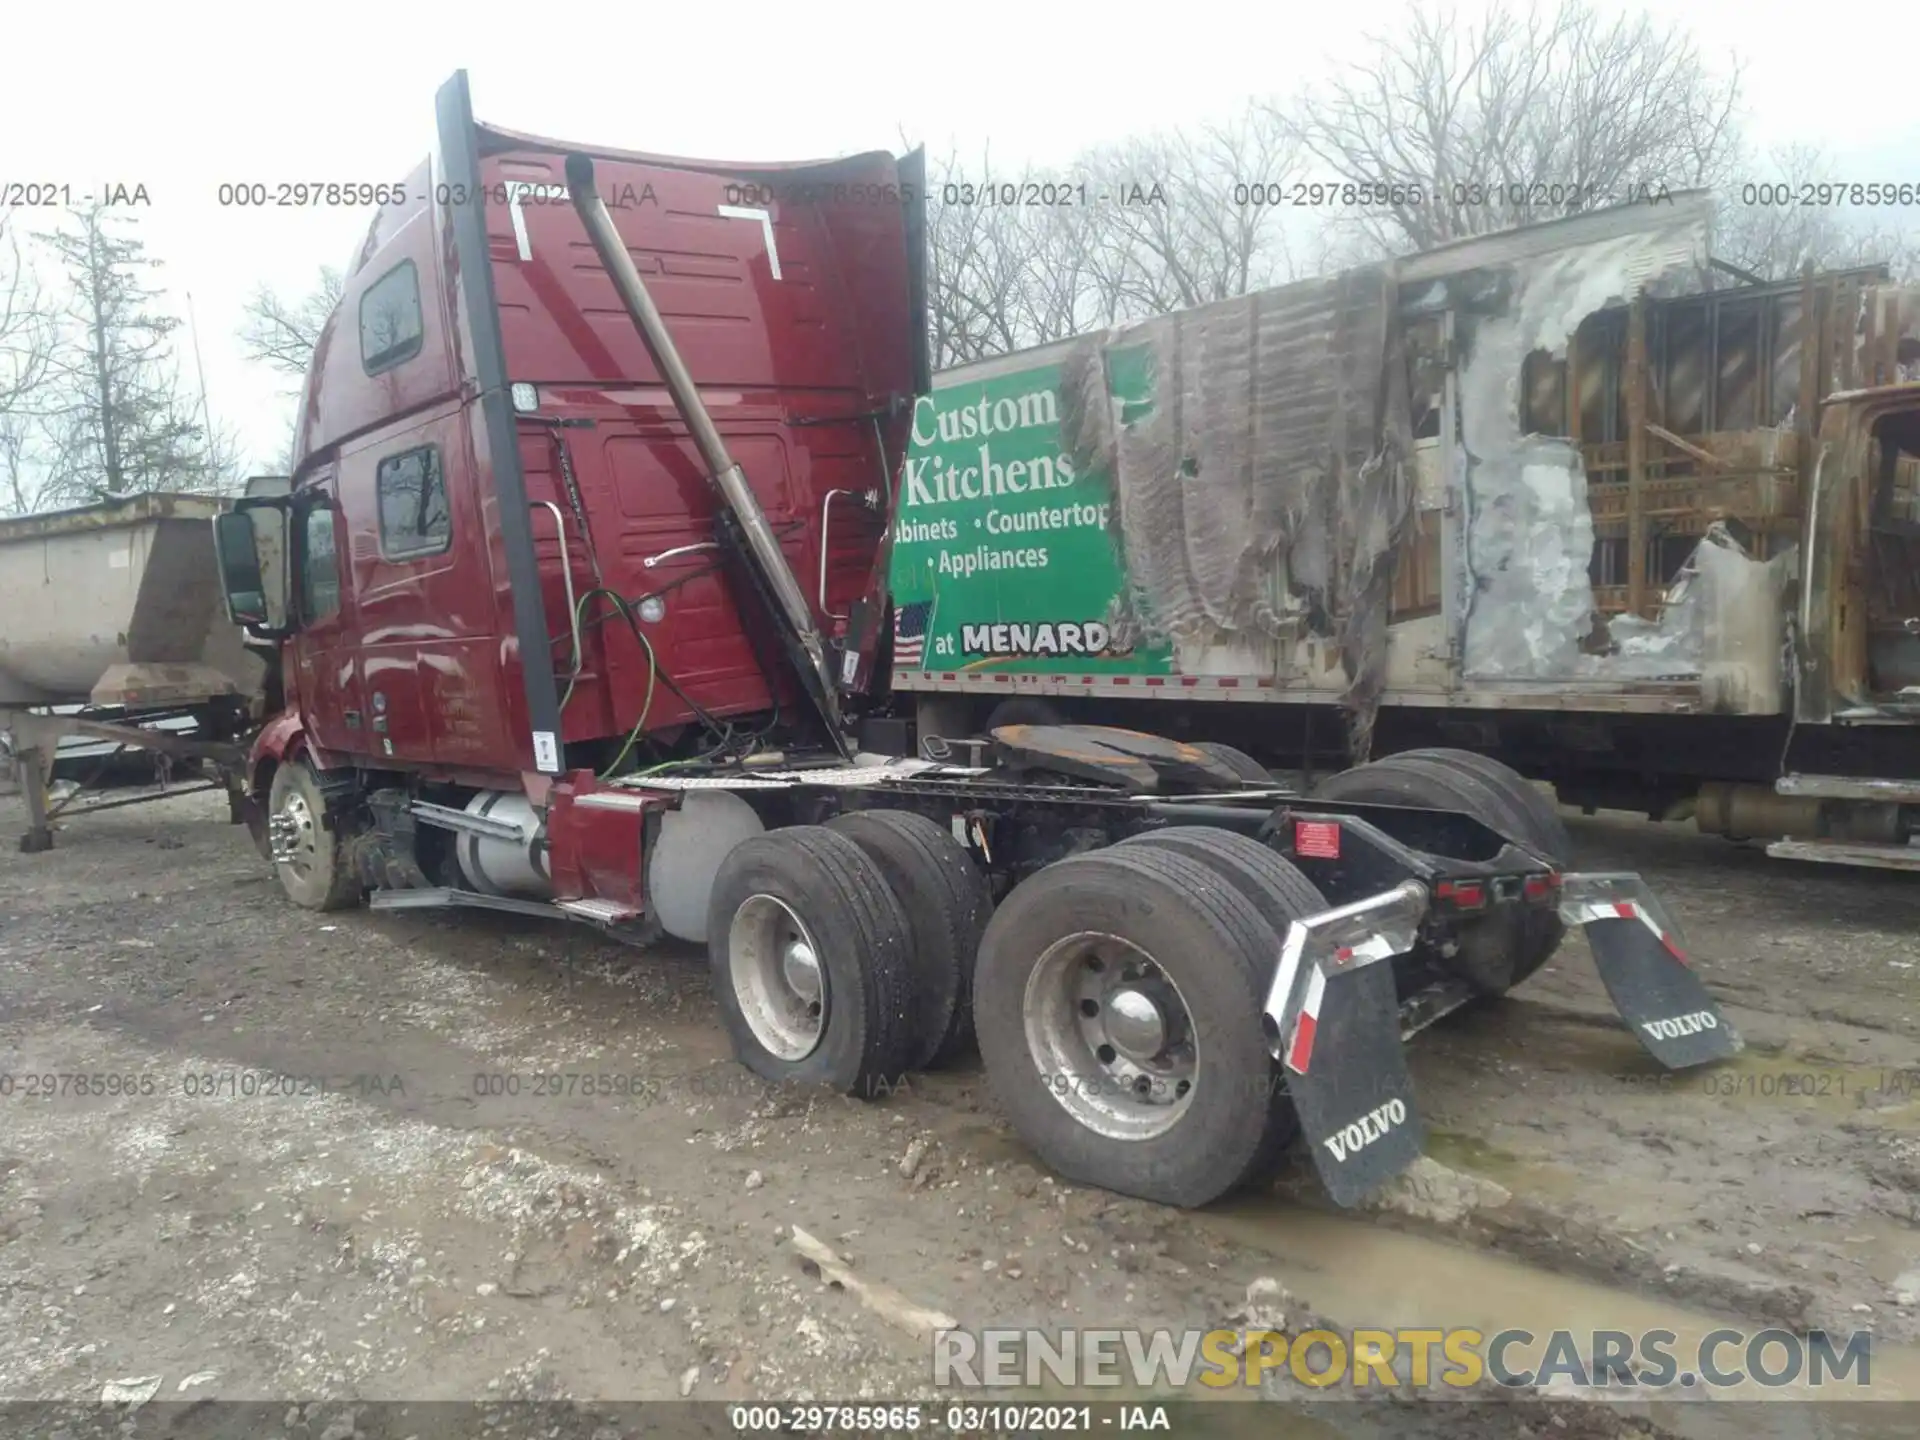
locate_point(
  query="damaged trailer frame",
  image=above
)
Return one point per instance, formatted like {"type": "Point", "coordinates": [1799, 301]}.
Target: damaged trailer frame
{"type": "Point", "coordinates": [1109, 912]}
{"type": "Point", "coordinates": [1542, 495]}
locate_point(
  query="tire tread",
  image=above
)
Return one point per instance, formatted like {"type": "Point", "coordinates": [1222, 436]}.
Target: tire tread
{"type": "Point", "coordinates": [839, 880]}
{"type": "Point", "coordinates": [1191, 1175]}
{"type": "Point", "coordinates": [945, 938]}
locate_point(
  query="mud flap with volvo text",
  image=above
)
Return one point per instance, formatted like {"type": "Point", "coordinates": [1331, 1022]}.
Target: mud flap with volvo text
{"type": "Point", "coordinates": [1334, 1023]}
{"type": "Point", "coordinates": [1643, 964]}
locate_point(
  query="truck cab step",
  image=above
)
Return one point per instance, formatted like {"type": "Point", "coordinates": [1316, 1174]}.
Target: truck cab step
{"type": "Point", "coordinates": [441, 896]}
{"type": "Point", "coordinates": [1842, 852]}
{"type": "Point", "coordinates": [601, 912]}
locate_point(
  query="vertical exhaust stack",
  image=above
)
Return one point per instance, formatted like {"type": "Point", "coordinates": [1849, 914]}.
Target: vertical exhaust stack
{"type": "Point", "coordinates": [805, 644]}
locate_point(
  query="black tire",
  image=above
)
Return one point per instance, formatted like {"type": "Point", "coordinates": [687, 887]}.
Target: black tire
{"type": "Point", "coordinates": [322, 878]}
{"type": "Point", "coordinates": [1274, 886]}
{"type": "Point", "coordinates": [1024, 710]}
{"type": "Point", "coordinates": [860, 937]}
{"type": "Point", "coordinates": [1238, 761]}
{"type": "Point", "coordinates": [1501, 950]}
{"type": "Point", "coordinates": [1268, 880]}
{"type": "Point", "coordinates": [1540, 823]}
{"type": "Point", "coordinates": [1212, 943]}
{"type": "Point", "coordinates": [948, 904]}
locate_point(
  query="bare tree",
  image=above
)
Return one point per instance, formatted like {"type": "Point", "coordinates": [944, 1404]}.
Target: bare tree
{"type": "Point", "coordinates": [1798, 210]}
{"type": "Point", "coordinates": [26, 330]}
{"type": "Point", "coordinates": [1195, 215]}
{"type": "Point", "coordinates": [26, 351]}
{"type": "Point", "coordinates": [1130, 230]}
{"type": "Point", "coordinates": [978, 254]}
{"type": "Point", "coordinates": [123, 424]}
{"type": "Point", "coordinates": [284, 333]}
{"type": "Point", "coordinates": [1448, 131]}
{"type": "Point", "coordinates": [21, 474]}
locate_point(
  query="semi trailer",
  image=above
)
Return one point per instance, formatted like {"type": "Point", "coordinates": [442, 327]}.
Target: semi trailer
{"type": "Point", "coordinates": [114, 645]}
{"type": "Point", "coordinates": [581, 593]}
{"type": "Point", "coordinates": [1575, 497]}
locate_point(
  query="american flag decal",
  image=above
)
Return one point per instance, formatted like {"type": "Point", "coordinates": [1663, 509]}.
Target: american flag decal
{"type": "Point", "coordinates": [910, 634]}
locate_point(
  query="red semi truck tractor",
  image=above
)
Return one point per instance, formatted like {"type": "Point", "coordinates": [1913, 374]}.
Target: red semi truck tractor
{"type": "Point", "coordinates": [580, 596]}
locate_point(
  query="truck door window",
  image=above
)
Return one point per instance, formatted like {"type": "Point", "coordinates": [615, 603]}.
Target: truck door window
{"type": "Point", "coordinates": [320, 567]}
{"type": "Point", "coordinates": [390, 319]}
{"type": "Point", "coordinates": [413, 505]}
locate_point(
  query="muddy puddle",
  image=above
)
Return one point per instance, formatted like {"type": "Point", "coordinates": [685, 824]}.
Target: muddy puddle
{"type": "Point", "coordinates": [1360, 1273]}
{"type": "Point", "coordinates": [1365, 1274]}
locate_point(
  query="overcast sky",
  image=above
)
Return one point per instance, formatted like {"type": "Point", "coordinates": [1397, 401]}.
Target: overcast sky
{"type": "Point", "coordinates": [182, 97]}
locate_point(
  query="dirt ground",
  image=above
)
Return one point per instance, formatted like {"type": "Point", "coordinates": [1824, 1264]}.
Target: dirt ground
{"type": "Point", "coordinates": [327, 1158]}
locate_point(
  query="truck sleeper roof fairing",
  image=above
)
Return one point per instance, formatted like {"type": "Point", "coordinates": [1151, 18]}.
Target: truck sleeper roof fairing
{"type": "Point", "coordinates": [795, 293]}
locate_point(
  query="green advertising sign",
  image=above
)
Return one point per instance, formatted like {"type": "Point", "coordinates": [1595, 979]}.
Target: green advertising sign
{"type": "Point", "coordinates": [1003, 550]}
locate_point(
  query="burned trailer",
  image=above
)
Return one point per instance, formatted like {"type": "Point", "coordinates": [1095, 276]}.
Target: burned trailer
{"type": "Point", "coordinates": [1574, 497]}
{"type": "Point", "coordinates": [584, 615]}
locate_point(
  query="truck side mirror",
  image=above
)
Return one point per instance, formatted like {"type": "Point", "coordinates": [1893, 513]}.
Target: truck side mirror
{"type": "Point", "coordinates": [251, 542]}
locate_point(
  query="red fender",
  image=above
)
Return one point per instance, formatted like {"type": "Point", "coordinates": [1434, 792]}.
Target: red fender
{"type": "Point", "coordinates": [280, 737]}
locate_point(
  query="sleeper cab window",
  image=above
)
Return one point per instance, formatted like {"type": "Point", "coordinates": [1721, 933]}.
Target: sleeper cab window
{"type": "Point", "coordinates": [390, 325]}
{"type": "Point", "coordinates": [414, 520]}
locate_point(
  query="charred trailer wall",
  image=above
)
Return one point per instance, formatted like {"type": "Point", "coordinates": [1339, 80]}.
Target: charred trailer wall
{"type": "Point", "coordinates": [1266, 487]}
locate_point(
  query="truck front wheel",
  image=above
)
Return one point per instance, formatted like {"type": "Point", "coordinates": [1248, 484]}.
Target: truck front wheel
{"type": "Point", "coordinates": [1117, 999]}
{"type": "Point", "coordinates": [306, 850]}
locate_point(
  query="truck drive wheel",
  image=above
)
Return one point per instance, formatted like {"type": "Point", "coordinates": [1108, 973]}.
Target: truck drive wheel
{"type": "Point", "coordinates": [1238, 761]}
{"type": "Point", "coordinates": [305, 850]}
{"type": "Point", "coordinates": [947, 903]}
{"type": "Point", "coordinates": [809, 953]}
{"type": "Point", "coordinates": [1274, 886]}
{"type": "Point", "coordinates": [1117, 998]}
{"type": "Point", "coordinates": [1541, 825]}
{"type": "Point", "coordinates": [1498, 952]}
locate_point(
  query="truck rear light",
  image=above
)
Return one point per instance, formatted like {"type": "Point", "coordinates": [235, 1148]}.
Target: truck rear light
{"type": "Point", "coordinates": [1539, 888]}
{"type": "Point", "coordinates": [1461, 894]}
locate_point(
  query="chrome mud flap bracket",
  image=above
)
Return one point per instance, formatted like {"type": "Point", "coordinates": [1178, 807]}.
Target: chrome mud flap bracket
{"type": "Point", "coordinates": [1643, 963]}
{"type": "Point", "coordinates": [1333, 1022]}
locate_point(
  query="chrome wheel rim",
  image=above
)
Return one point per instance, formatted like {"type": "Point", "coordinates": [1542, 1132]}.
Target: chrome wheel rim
{"type": "Point", "coordinates": [779, 978]}
{"type": "Point", "coordinates": [1112, 1036]}
{"type": "Point", "coordinates": [293, 835]}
